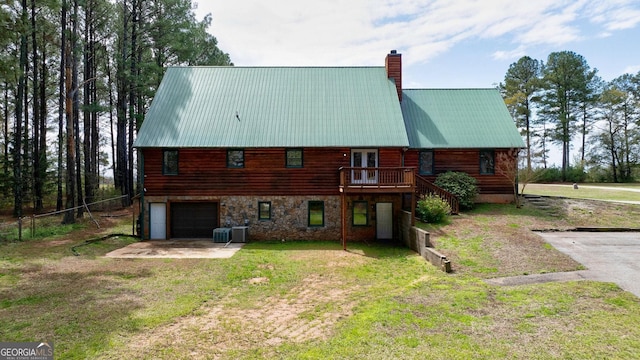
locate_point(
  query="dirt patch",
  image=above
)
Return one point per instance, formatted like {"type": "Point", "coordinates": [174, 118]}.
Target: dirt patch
{"type": "Point", "coordinates": [53, 243]}
{"type": "Point", "coordinates": [298, 316]}
{"type": "Point", "coordinates": [308, 311]}
{"type": "Point", "coordinates": [258, 280]}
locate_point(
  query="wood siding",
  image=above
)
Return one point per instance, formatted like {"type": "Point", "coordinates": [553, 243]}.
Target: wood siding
{"type": "Point", "coordinates": [204, 172]}
{"type": "Point", "coordinates": [467, 161]}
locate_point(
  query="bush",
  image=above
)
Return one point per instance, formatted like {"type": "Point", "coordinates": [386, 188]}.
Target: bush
{"type": "Point", "coordinates": [461, 185]}
{"type": "Point", "coordinates": [575, 174]}
{"type": "Point", "coordinates": [432, 209]}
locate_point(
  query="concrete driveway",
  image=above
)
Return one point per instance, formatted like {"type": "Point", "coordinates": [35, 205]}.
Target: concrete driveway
{"type": "Point", "coordinates": [608, 256]}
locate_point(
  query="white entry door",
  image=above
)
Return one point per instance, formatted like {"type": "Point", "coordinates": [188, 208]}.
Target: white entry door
{"type": "Point", "coordinates": [158, 221]}
{"type": "Point", "coordinates": [364, 158]}
{"type": "Point", "coordinates": [384, 220]}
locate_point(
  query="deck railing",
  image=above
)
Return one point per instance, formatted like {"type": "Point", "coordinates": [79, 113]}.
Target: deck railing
{"type": "Point", "coordinates": [397, 179]}
{"type": "Point", "coordinates": [401, 178]}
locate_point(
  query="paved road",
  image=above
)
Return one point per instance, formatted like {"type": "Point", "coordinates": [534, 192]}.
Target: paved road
{"type": "Point", "coordinates": [608, 256]}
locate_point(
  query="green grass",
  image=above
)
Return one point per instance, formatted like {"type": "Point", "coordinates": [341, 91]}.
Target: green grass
{"type": "Point", "coordinates": [48, 228]}
{"type": "Point", "coordinates": [587, 191]}
{"type": "Point", "coordinates": [374, 301]}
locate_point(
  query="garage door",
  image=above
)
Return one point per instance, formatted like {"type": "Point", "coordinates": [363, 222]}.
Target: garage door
{"type": "Point", "coordinates": [193, 219]}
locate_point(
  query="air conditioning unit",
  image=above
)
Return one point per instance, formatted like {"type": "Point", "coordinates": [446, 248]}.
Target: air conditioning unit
{"type": "Point", "coordinates": [240, 234]}
{"type": "Point", "coordinates": [221, 235]}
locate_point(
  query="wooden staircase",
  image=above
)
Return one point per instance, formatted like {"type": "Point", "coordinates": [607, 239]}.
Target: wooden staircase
{"type": "Point", "coordinates": [425, 187]}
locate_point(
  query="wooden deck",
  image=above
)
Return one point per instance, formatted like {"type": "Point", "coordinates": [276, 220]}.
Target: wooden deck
{"type": "Point", "coordinates": [377, 180]}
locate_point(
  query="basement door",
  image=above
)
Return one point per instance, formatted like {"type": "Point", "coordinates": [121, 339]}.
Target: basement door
{"type": "Point", "coordinates": [384, 220]}
{"type": "Point", "coordinates": [157, 221]}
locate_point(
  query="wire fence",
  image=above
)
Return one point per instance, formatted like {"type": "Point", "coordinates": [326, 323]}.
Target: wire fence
{"type": "Point", "coordinates": [49, 224]}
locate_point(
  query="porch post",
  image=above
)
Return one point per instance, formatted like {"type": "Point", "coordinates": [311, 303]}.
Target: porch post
{"type": "Point", "coordinates": [343, 220]}
{"type": "Point", "coordinates": [413, 197]}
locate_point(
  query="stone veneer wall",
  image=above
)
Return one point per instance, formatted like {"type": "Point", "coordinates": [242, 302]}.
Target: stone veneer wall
{"type": "Point", "coordinates": [289, 217]}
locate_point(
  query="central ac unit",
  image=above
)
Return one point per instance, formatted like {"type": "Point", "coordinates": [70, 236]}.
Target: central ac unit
{"type": "Point", "coordinates": [240, 234]}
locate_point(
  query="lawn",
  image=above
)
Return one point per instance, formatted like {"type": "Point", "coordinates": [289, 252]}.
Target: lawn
{"type": "Point", "coordinates": [312, 300]}
{"type": "Point", "coordinates": [619, 192]}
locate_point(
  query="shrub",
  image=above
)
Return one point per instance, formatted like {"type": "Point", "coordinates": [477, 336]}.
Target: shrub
{"type": "Point", "coordinates": [461, 185]}
{"type": "Point", "coordinates": [576, 174]}
{"type": "Point", "coordinates": [549, 175]}
{"type": "Point", "coordinates": [432, 209]}
{"type": "Point", "coordinates": [554, 174]}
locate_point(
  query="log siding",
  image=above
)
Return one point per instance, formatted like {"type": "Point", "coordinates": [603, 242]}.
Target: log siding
{"type": "Point", "coordinates": [204, 172]}
{"type": "Point", "coordinates": [463, 160]}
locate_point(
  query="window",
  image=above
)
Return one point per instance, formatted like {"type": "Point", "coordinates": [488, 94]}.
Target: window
{"type": "Point", "coordinates": [264, 210]}
{"type": "Point", "coordinates": [360, 213]}
{"type": "Point", "coordinates": [235, 158]}
{"type": "Point", "coordinates": [486, 162]}
{"type": "Point", "coordinates": [294, 158]}
{"type": "Point", "coordinates": [426, 162]}
{"type": "Point", "coordinates": [316, 213]}
{"type": "Point", "coordinates": [170, 162]}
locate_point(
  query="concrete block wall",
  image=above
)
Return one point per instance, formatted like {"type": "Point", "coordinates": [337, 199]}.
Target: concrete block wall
{"type": "Point", "coordinates": [418, 240]}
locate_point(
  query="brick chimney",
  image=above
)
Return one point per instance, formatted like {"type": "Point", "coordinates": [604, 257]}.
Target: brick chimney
{"type": "Point", "coordinates": [393, 64]}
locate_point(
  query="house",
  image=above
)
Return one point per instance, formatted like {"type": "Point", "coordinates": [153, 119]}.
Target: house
{"type": "Point", "coordinates": [316, 153]}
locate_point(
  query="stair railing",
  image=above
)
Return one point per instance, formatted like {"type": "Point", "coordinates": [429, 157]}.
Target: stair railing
{"type": "Point", "coordinates": [425, 187]}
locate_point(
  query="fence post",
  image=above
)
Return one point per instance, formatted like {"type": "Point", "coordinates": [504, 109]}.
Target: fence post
{"type": "Point", "coordinates": [33, 226]}
{"type": "Point", "coordinates": [19, 228]}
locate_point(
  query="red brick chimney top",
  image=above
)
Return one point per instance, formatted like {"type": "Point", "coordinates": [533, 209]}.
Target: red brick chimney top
{"type": "Point", "coordinates": [393, 64]}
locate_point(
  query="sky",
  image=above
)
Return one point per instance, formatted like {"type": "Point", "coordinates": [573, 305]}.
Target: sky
{"type": "Point", "coordinates": [444, 43]}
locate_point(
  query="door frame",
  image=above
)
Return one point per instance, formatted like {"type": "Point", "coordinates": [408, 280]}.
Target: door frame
{"type": "Point", "coordinates": [384, 220]}
{"type": "Point", "coordinates": [364, 176]}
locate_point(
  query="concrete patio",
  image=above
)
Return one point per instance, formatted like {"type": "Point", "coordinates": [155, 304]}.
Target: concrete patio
{"type": "Point", "coordinates": [177, 249]}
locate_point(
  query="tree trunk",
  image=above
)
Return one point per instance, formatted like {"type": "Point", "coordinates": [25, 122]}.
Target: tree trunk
{"type": "Point", "coordinates": [133, 87]}
{"type": "Point", "coordinates": [38, 181]}
{"type": "Point", "coordinates": [76, 110]}
{"type": "Point", "coordinates": [69, 217]}
{"type": "Point", "coordinates": [113, 146]}
{"type": "Point", "coordinates": [528, 127]}
{"type": "Point", "coordinates": [612, 150]}
{"type": "Point", "coordinates": [5, 160]}
{"type": "Point", "coordinates": [42, 154]}
{"type": "Point", "coordinates": [61, 100]}
{"type": "Point", "coordinates": [88, 104]}
{"type": "Point", "coordinates": [121, 168]}
{"type": "Point", "coordinates": [17, 163]}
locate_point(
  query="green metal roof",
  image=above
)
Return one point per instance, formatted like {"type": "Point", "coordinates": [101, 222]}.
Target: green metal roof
{"type": "Point", "coordinates": [458, 118]}
{"type": "Point", "coordinates": [274, 107]}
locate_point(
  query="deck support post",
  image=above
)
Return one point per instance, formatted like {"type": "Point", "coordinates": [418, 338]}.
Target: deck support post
{"type": "Point", "coordinates": [343, 206]}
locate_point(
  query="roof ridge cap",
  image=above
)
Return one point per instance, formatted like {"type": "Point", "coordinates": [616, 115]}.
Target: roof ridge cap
{"type": "Point", "coordinates": [276, 67]}
{"type": "Point", "coordinates": [471, 88]}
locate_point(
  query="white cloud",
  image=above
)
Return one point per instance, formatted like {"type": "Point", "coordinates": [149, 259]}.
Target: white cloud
{"type": "Point", "coordinates": [633, 69]}
{"type": "Point", "coordinates": [469, 41]}
{"type": "Point", "coordinates": [357, 32]}
{"type": "Point", "coordinates": [614, 14]}
{"type": "Point", "coordinates": [517, 53]}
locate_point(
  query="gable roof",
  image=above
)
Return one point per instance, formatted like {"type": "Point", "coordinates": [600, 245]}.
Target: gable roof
{"type": "Point", "coordinates": [458, 118]}
{"type": "Point", "coordinates": [274, 107]}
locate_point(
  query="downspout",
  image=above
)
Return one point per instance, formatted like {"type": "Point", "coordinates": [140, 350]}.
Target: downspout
{"type": "Point", "coordinates": [142, 205]}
